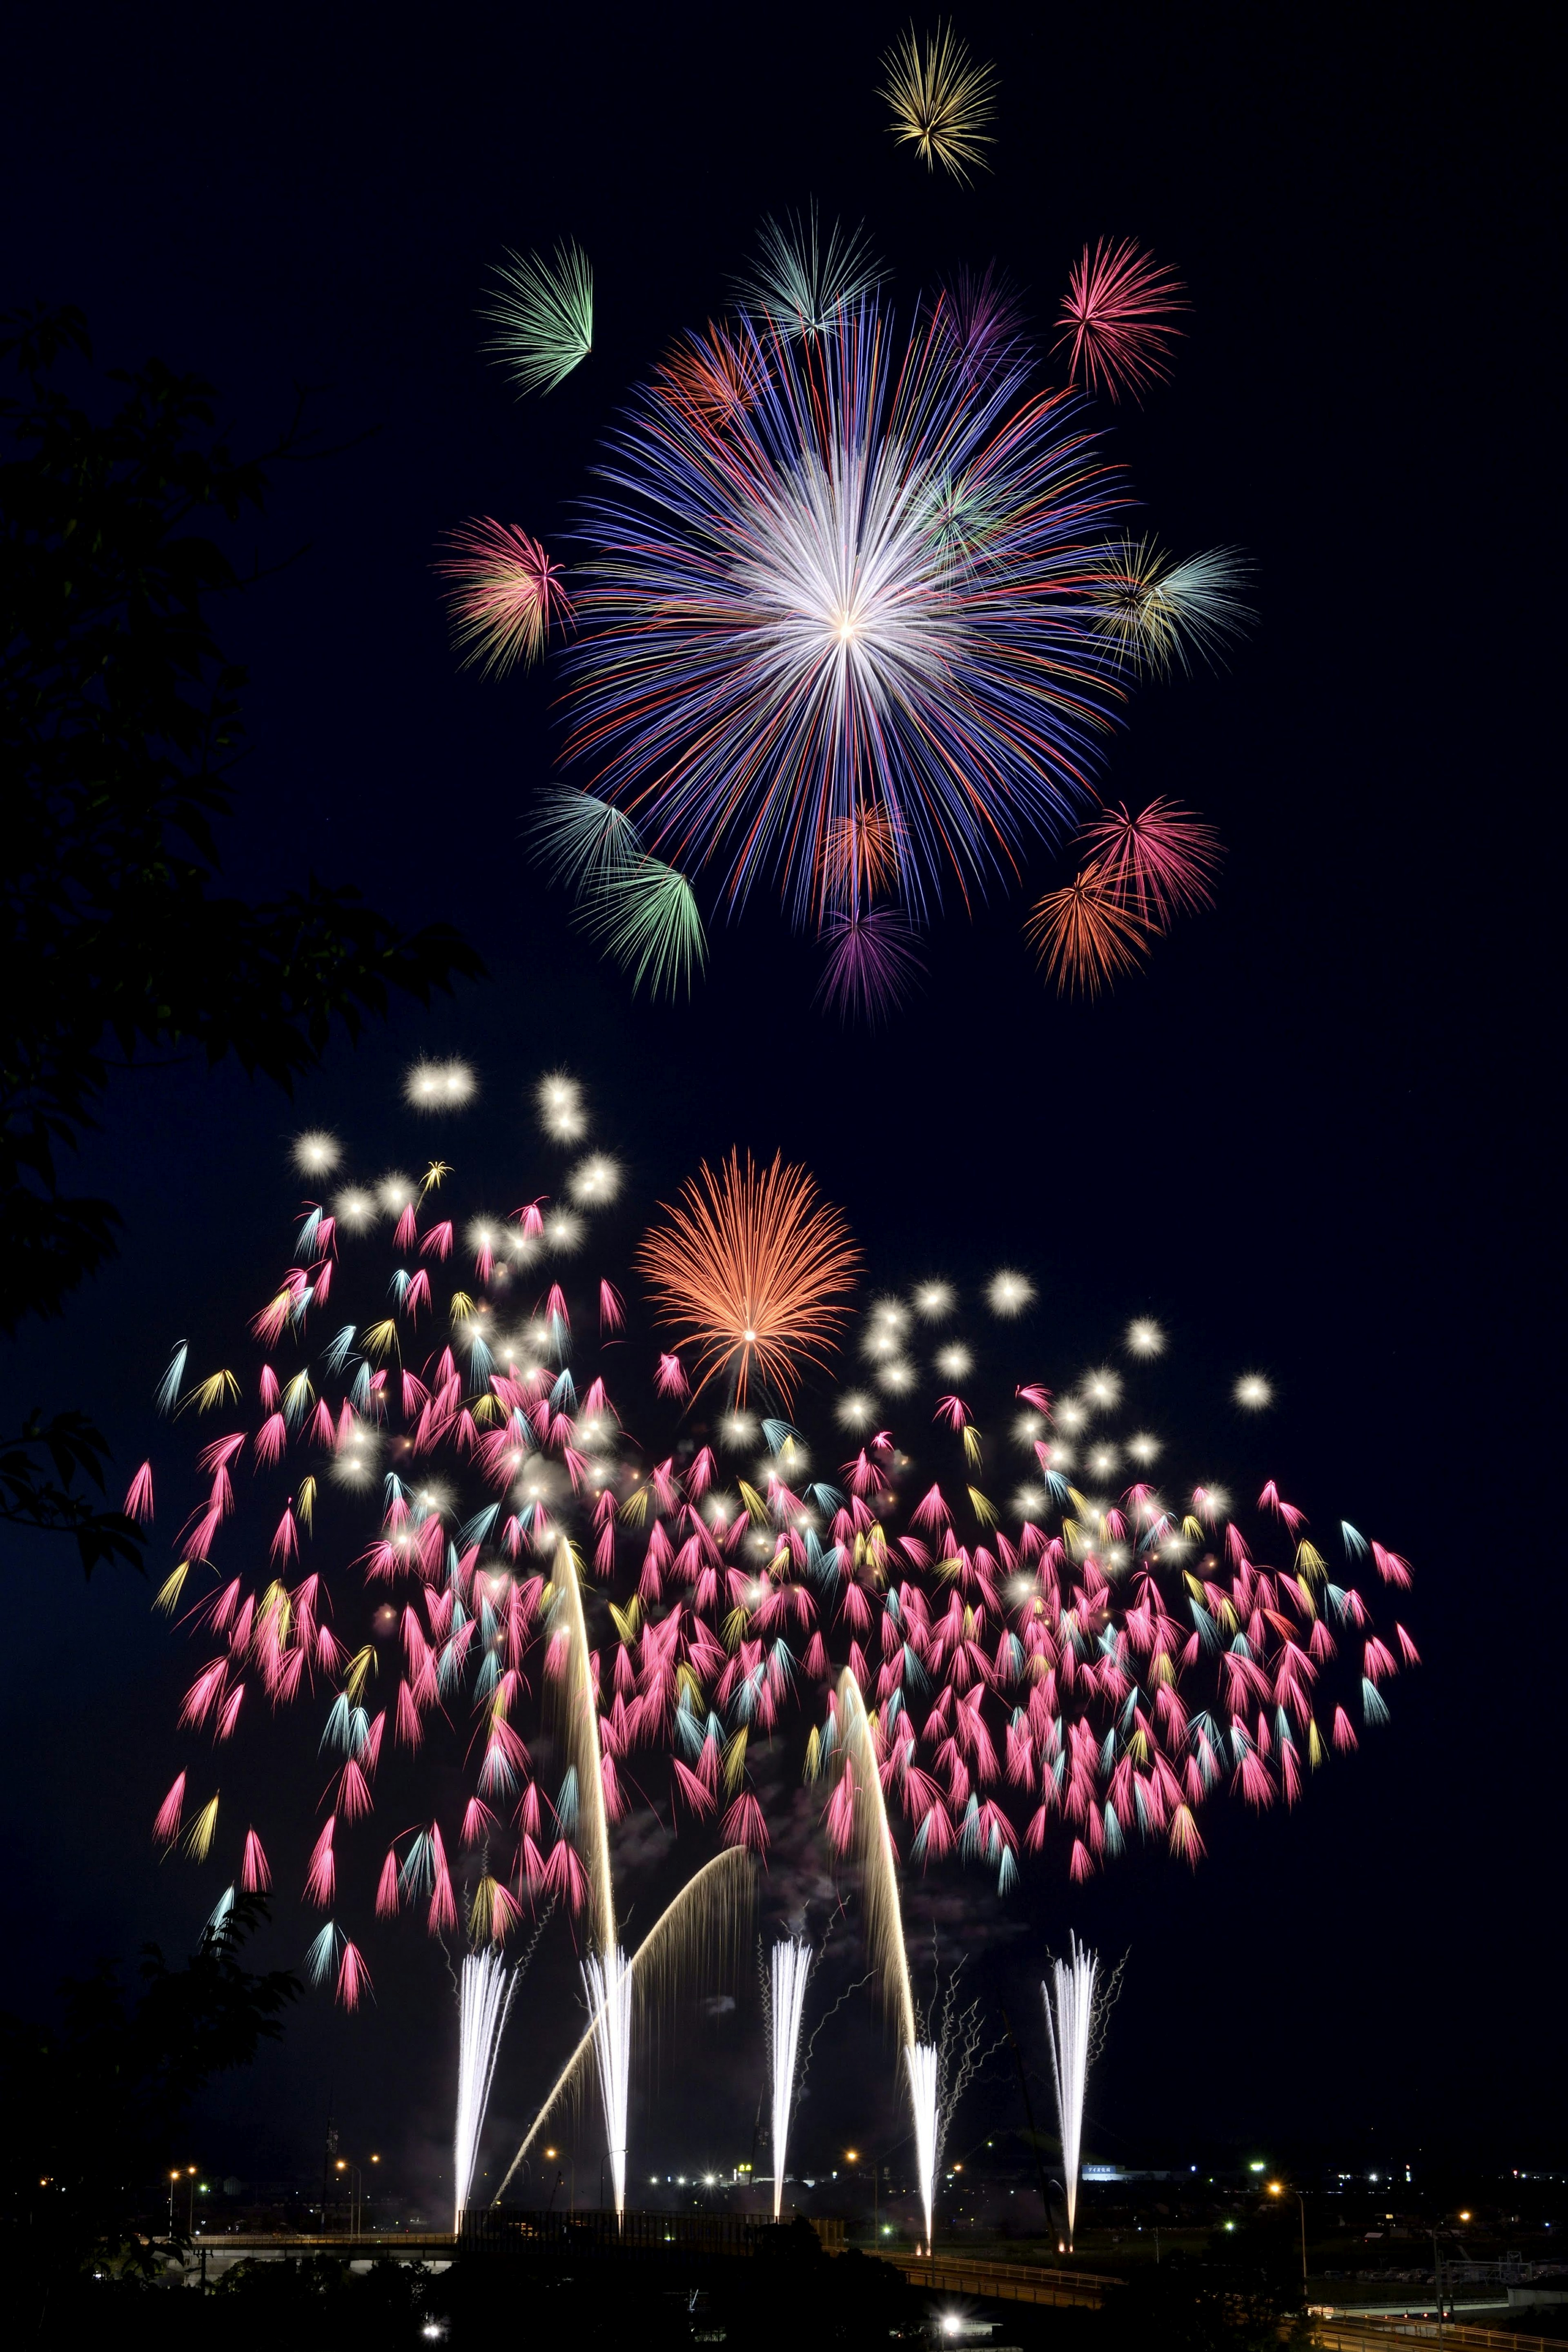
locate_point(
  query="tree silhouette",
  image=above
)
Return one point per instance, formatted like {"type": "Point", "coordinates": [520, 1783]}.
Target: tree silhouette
{"type": "Point", "coordinates": [119, 727]}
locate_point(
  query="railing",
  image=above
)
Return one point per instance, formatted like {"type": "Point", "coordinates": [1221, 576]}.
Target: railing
{"type": "Point", "coordinates": [314, 2242]}
{"type": "Point", "coordinates": [496, 2229]}
{"type": "Point", "coordinates": [1005, 2281]}
{"type": "Point", "coordinates": [1351, 2334]}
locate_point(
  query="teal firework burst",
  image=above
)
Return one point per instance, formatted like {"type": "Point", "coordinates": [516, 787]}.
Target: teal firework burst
{"type": "Point", "coordinates": [545, 316]}
{"type": "Point", "coordinates": [799, 284]}
{"type": "Point", "coordinates": [639, 908]}
{"type": "Point", "coordinates": [645, 915]}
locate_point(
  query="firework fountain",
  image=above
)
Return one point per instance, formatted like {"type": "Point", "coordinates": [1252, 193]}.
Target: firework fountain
{"type": "Point", "coordinates": [1073, 2027]}
{"type": "Point", "coordinates": [789, 1974]}
{"type": "Point", "coordinates": [1063, 1668]}
{"type": "Point", "coordinates": [605, 1972]}
{"type": "Point", "coordinates": [484, 1996]}
{"type": "Point", "coordinates": [608, 1980]}
{"type": "Point", "coordinates": [686, 1936]}
{"type": "Point", "coordinates": [885, 1929]}
{"type": "Point", "coordinates": [684, 1945]}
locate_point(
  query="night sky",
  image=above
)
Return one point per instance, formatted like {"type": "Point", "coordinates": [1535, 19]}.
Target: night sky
{"type": "Point", "coordinates": [1314, 1136]}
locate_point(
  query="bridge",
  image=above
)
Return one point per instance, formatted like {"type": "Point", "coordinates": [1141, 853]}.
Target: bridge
{"type": "Point", "coordinates": [688, 2238]}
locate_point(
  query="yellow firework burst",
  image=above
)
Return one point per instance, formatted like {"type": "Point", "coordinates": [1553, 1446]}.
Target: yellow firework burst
{"type": "Point", "coordinates": [941, 102]}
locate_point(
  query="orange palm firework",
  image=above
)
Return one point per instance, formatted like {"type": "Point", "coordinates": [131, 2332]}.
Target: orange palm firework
{"type": "Point", "coordinates": [1086, 933]}
{"type": "Point", "coordinates": [711, 378]}
{"type": "Point", "coordinates": [753, 1270]}
{"type": "Point", "coordinates": [861, 849]}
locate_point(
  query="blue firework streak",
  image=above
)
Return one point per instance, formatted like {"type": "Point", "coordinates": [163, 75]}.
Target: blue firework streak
{"type": "Point", "coordinates": [840, 622]}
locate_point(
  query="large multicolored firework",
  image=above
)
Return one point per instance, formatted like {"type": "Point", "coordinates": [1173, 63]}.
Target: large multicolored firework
{"type": "Point", "coordinates": [856, 612]}
{"type": "Point", "coordinates": [841, 637]}
{"type": "Point", "coordinates": [1049, 1650]}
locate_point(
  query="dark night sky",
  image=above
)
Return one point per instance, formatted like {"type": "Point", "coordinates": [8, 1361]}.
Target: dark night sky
{"type": "Point", "coordinates": [1315, 1135]}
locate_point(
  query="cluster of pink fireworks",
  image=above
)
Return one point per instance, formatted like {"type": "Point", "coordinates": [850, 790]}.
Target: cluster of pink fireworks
{"type": "Point", "coordinates": [1060, 1654]}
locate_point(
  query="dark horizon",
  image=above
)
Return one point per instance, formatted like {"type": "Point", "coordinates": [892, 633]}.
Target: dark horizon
{"type": "Point", "coordinates": [1315, 1135]}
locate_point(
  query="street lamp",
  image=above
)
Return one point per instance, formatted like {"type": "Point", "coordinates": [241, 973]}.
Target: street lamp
{"type": "Point", "coordinates": [1278, 2188]}
{"type": "Point", "coordinates": [356, 2192]}
{"type": "Point", "coordinates": [191, 2203]}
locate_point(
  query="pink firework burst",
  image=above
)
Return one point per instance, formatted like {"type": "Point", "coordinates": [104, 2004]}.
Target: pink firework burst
{"type": "Point", "coordinates": [1159, 863]}
{"type": "Point", "coordinates": [506, 594]}
{"type": "Point", "coordinates": [1115, 322]}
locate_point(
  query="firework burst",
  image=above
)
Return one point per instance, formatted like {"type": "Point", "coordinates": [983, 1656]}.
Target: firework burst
{"type": "Point", "coordinates": [861, 601]}
{"type": "Point", "coordinates": [1086, 934]}
{"type": "Point", "coordinates": [872, 963]}
{"type": "Point", "coordinates": [1161, 862]}
{"type": "Point", "coordinates": [1158, 614]}
{"type": "Point", "coordinates": [545, 317]}
{"type": "Point", "coordinates": [506, 595]}
{"type": "Point", "coordinates": [1116, 323]}
{"type": "Point", "coordinates": [799, 284]}
{"type": "Point", "coordinates": [754, 1270]}
{"type": "Point", "coordinates": [645, 915]}
{"type": "Point", "coordinates": [941, 102]}
{"type": "Point", "coordinates": [637, 907]}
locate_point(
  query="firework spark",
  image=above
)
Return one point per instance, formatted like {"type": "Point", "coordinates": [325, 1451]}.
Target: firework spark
{"type": "Point", "coordinates": [637, 907]}
{"type": "Point", "coordinates": [941, 102]}
{"type": "Point", "coordinates": [719, 382]}
{"type": "Point", "coordinates": [437, 1085]}
{"type": "Point", "coordinates": [316, 1154]}
{"type": "Point", "coordinates": [754, 1271]}
{"type": "Point", "coordinates": [1116, 321]}
{"type": "Point", "coordinates": [645, 915]}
